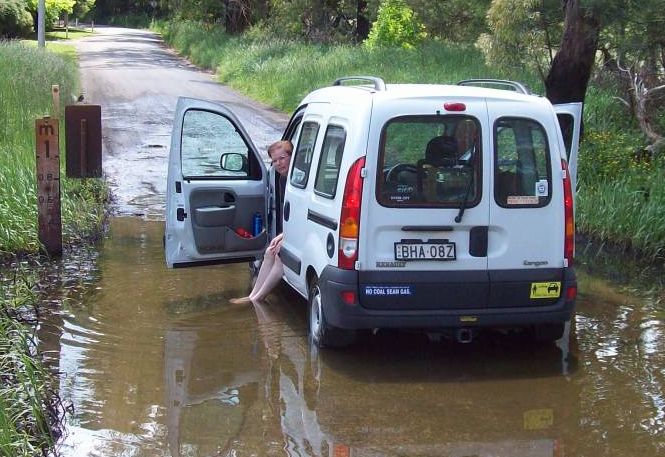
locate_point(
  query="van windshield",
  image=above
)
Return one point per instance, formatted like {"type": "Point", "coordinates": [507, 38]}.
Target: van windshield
{"type": "Point", "coordinates": [430, 161]}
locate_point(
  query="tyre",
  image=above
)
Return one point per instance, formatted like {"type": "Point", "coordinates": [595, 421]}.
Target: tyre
{"type": "Point", "coordinates": [321, 333]}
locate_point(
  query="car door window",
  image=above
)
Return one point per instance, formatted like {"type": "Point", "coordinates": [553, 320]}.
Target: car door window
{"type": "Point", "coordinates": [206, 137]}
{"type": "Point", "coordinates": [329, 162]}
{"type": "Point", "coordinates": [304, 154]}
{"type": "Point", "coordinates": [523, 174]}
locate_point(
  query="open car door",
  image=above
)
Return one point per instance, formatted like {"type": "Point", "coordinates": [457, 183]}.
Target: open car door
{"type": "Point", "coordinates": [216, 202]}
{"type": "Point", "coordinates": [570, 121]}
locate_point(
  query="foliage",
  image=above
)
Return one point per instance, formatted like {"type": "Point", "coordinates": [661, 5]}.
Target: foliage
{"type": "Point", "coordinates": [522, 32]}
{"type": "Point", "coordinates": [31, 413]}
{"type": "Point", "coordinates": [15, 20]}
{"type": "Point", "coordinates": [396, 25]}
{"type": "Point", "coordinates": [458, 21]}
{"type": "Point", "coordinates": [610, 154]}
{"type": "Point", "coordinates": [82, 8]}
{"type": "Point", "coordinates": [22, 100]}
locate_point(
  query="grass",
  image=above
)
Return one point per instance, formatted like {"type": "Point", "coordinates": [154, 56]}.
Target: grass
{"type": "Point", "coordinates": [22, 100]}
{"type": "Point", "coordinates": [31, 413]}
{"type": "Point", "coordinates": [620, 197]}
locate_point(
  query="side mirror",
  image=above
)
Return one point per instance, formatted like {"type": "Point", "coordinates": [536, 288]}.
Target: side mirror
{"type": "Point", "coordinates": [232, 161]}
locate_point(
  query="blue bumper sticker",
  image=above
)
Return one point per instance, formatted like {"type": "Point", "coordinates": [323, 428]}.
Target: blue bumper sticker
{"type": "Point", "coordinates": [388, 290]}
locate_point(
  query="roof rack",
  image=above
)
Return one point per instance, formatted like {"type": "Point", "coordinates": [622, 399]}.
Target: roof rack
{"type": "Point", "coordinates": [379, 84]}
{"type": "Point", "coordinates": [503, 84]}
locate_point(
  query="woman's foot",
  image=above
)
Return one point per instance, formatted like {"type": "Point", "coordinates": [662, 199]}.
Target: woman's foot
{"type": "Point", "coordinates": [240, 300]}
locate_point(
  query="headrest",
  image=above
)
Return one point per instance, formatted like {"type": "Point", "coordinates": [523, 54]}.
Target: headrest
{"type": "Point", "coordinates": [441, 148]}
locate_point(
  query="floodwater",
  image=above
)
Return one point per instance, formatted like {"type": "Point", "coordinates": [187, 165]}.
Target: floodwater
{"type": "Point", "coordinates": [156, 362]}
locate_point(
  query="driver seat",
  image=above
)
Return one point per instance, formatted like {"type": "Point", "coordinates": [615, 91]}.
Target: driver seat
{"type": "Point", "coordinates": [441, 151]}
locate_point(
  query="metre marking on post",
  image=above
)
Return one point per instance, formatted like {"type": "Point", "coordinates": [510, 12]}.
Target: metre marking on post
{"type": "Point", "coordinates": [48, 185]}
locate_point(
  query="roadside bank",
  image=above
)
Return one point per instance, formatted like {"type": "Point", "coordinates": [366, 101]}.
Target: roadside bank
{"type": "Point", "coordinates": [31, 412]}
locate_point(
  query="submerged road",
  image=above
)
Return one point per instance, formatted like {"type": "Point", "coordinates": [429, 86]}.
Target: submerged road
{"type": "Point", "coordinates": [137, 81]}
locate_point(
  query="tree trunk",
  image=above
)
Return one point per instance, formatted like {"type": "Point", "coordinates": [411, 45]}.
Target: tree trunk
{"type": "Point", "coordinates": [362, 22]}
{"type": "Point", "coordinates": [568, 78]}
{"type": "Point", "coordinates": [236, 19]}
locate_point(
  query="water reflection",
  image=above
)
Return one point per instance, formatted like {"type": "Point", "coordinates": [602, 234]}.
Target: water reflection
{"type": "Point", "coordinates": [157, 363]}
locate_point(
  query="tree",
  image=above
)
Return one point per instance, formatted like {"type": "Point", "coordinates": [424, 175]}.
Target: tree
{"type": "Point", "coordinates": [569, 74]}
{"type": "Point", "coordinates": [396, 25]}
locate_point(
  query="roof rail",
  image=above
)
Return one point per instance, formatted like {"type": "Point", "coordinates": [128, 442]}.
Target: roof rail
{"type": "Point", "coordinates": [379, 84]}
{"type": "Point", "coordinates": [503, 84]}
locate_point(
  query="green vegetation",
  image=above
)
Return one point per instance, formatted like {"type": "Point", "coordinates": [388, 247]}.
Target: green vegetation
{"type": "Point", "coordinates": [22, 100]}
{"type": "Point", "coordinates": [30, 409]}
{"type": "Point", "coordinates": [620, 192]}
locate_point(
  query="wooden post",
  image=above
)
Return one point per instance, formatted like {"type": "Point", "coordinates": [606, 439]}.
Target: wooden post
{"type": "Point", "coordinates": [48, 185]}
{"type": "Point", "coordinates": [84, 148]}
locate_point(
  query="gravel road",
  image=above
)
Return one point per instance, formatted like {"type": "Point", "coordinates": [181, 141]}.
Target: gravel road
{"type": "Point", "coordinates": [137, 80]}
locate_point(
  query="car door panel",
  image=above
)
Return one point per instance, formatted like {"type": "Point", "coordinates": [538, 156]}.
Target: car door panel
{"type": "Point", "coordinates": [211, 209]}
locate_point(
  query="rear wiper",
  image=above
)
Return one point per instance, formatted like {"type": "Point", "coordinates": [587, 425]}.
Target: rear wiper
{"type": "Point", "coordinates": [462, 207]}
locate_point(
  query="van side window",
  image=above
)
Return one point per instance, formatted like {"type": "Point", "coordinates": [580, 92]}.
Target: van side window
{"type": "Point", "coordinates": [430, 161]}
{"type": "Point", "coordinates": [523, 175]}
{"type": "Point", "coordinates": [329, 162]}
{"type": "Point", "coordinates": [208, 142]}
{"type": "Point", "coordinates": [302, 159]}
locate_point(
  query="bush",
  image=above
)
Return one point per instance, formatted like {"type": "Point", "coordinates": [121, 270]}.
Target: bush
{"type": "Point", "coordinates": [396, 25]}
{"type": "Point", "coordinates": [15, 20]}
{"type": "Point", "coordinates": [609, 154]}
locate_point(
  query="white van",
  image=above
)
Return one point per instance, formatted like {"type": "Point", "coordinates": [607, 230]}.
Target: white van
{"type": "Point", "coordinates": [438, 207]}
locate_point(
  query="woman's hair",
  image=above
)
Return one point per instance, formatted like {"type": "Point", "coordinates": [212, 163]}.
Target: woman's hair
{"type": "Point", "coordinates": [286, 145]}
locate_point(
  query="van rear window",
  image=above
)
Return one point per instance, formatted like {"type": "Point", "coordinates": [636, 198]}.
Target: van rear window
{"type": "Point", "coordinates": [522, 176]}
{"type": "Point", "coordinates": [430, 161]}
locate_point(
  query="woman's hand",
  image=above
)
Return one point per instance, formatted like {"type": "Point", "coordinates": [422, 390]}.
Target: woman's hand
{"type": "Point", "coordinates": [275, 244]}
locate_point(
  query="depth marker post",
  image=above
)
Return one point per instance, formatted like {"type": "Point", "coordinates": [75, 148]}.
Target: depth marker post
{"type": "Point", "coordinates": [48, 185]}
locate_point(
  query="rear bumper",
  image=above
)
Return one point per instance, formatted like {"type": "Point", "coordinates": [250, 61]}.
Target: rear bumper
{"type": "Point", "coordinates": [333, 281]}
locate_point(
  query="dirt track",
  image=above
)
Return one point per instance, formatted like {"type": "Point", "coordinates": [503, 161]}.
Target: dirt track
{"type": "Point", "coordinates": [137, 81]}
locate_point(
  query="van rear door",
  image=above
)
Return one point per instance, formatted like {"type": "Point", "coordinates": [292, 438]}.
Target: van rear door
{"type": "Point", "coordinates": [217, 183]}
{"type": "Point", "coordinates": [424, 218]}
{"type": "Point", "coordinates": [569, 116]}
{"type": "Point", "coordinates": [526, 226]}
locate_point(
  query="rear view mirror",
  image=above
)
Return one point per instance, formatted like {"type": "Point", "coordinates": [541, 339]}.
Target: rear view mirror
{"type": "Point", "coordinates": [232, 161]}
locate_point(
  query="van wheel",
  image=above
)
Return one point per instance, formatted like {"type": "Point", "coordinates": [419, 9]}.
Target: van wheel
{"type": "Point", "coordinates": [321, 333]}
{"type": "Point", "coordinates": [548, 332]}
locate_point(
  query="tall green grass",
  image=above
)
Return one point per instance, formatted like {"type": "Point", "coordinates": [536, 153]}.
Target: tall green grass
{"type": "Point", "coordinates": [31, 412]}
{"type": "Point", "coordinates": [27, 74]}
{"type": "Point", "coordinates": [280, 72]}
{"type": "Point", "coordinates": [620, 196]}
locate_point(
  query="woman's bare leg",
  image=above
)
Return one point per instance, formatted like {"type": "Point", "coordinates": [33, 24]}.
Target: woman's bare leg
{"type": "Point", "coordinates": [270, 280]}
{"type": "Point", "coordinates": [264, 271]}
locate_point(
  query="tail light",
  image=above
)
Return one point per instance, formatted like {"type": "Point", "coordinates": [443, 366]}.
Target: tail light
{"type": "Point", "coordinates": [350, 217]}
{"type": "Point", "coordinates": [569, 241]}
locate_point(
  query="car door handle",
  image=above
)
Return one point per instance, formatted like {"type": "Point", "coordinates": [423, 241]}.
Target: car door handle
{"type": "Point", "coordinates": [287, 210]}
{"type": "Point", "coordinates": [180, 214]}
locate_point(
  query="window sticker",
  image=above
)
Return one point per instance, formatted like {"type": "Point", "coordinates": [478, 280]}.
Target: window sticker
{"type": "Point", "coordinates": [522, 200]}
{"type": "Point", "coordinates": [542, 188]}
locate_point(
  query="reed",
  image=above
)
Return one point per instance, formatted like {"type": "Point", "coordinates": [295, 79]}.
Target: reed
{"type": "Point", "coordinates": [31, 413]}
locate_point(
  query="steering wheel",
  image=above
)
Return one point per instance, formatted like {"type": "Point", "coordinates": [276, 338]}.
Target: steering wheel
{"type": "Point", "coordinates": [394, 171]}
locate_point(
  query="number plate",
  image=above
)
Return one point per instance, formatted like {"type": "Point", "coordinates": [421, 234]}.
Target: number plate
{"type": "Point", "coordinates": [430, 250]}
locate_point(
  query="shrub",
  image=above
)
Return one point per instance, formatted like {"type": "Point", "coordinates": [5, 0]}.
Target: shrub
{"type": "Point", "coordinates": [15, 20]}
{"type": "Point", "coordinates": [396, 25]}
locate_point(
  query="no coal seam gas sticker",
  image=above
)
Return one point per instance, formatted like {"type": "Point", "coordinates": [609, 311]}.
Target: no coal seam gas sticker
{"type": "Point", "coordinates": [546, 289]}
